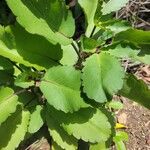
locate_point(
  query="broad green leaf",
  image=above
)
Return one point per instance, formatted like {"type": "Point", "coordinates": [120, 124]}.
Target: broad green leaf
{"type": "Point", "coordinates": [61, 88]}
{"type": "Point", "coordinates": [97, 124]}
{"type": "Point", "coordinates": [89, 8]}
{"type": "Point", "coordinates": [8, 103]}
{"type": "Point", "coordinates": [134, 35]}
{"type": "Point", "coordinates": [69, 56]}
{"type": "Point", "coordinates": [113, 5]}
{"type": "Point", "coordinates": [36, 120]}
{"type": "Point", "coordinates": [30, 50]}
{"type": "Point", "coordinates": [13, 130]}
{"type": "Point", "coordinates": [136, 90]}
{"type": "Point", "coordinates": [81, 122]}
{"type": "Point", "coordinates": [102, 75]}
{"type": "Point", "coordinates": [98, 146]}
{"type": "Point", "coordinates": [49, 19]}
{"type": "Point", "coordinates": [58, 134]}
{"type": "Point", "coordinates": [138, 54]}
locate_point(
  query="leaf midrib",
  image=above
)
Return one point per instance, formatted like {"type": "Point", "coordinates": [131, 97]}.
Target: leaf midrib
{"type": "Point", "coordinates": [60, 85]}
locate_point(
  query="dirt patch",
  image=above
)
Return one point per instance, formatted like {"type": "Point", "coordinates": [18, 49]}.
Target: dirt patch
{"type": "Point", "coordinates": [138, 125]}
{"type": "Point", "coordinates": [134, 116]}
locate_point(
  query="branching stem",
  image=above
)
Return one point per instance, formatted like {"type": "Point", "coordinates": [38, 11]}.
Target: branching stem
{"type": "Point", "coordinates": [76, 50]}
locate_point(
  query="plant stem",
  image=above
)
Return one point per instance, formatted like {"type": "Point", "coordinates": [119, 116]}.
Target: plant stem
{"type": "Point", "coordinates": [93, 31]}
{"type": "Point", "coordinates": [16, 65]}
{"type": "Point", "coordinates": [76, 50]}
{"type": "Point", "coordinates": [79, 45]}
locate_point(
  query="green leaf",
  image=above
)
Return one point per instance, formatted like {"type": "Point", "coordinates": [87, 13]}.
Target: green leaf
{"type": "Point", "coordinates": [89, 44]}
{"type": "Point", "coordinates": [50, 19]}
{"type": "Point", "coordinates": [89, 8]}
{"type": "Point", "coordinates": [98, 146]}
{"type": "Point", "coordinates": [134, 35]}
{"type": "Point", "coordinates": [116, 26]}
{"type": "Point", "coordinates": [120, 145]}
{"type": "Point", "coordinates": [98, 13]}
{"type": "Point", "coordinates": [113, 5]}
{"type": "Point", "coordinates": [136, 90]}
{"type": "Point", "coordinates": [22, 47]}
{"type": "Point", "coordinates": [24, 80]}
{"type": "Point", "coordinates": [61, 88]}
{"type": "Point", "coordinates": [14, 130]}
{"type": "Point", "coordinates": [55, 146]}
{"type": "Point", "coordinates": [69, 56]}
{"type": "Point", "coordinates": [8, 103]}
{"type": "Point", "coordinates": [81, 122]}
{"type": "Point", "coordinates": [97, 124]}
{"type": "Point", "coordinates": [36, 120]}
{"type": "Point", "coordinates": [6, 72]}
{"type": "Point", "coordinates": [119, 138]}
{"type": "Point", "coordinates": [135, 54]}
{"type": "Point", "coordinates": [102, 75]}
{"type": "Point", "coordinates": [6, 78]}
{"type": "Point", "coordinates": [5, 64]}
{"type": "Point", "coordinates": [58, 134]}
{"type": "Point", "coordinates": [115, 104]}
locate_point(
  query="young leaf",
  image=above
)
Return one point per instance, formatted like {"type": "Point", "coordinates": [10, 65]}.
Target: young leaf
{"type": "Point", "coordinates": [115, 104]}
{"type": "Point", "coordinates": [58, 134]}
{"type": "Point", "coordinates": [8, 103]}
{"type": "Point", "coordinates": [14, 130]}
{"type": "Point", "coordinates": [136, 90]}
{"type": "Point", "coordinates": [98, 146]}
{"type": "Point", "coordinates": [119, 138]}
{"type": "Point", "coordinates": [113, 5]}
{"type": "Point", "coordinates": [22, 47]}
{"type": "Point", "coordinates": [120, 145]}
{"type": "Point", "coordinates": [89, 8]}
{"type": "Point", "coordinates": [50, 19]}
{"type": "Point", "coordinates": [61, 88]}
{"type": "Point", "coordinates": [102, 75]}
{"type": "Point", "coordinates": [89, 44]}
{"type": "Point", "coordinates": [23, 80]}
{"type": "Point", "coordinates": [36, 120]}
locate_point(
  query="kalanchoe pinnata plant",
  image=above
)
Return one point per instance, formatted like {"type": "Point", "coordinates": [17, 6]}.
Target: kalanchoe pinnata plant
{"type": "Point", "coordinates": [61, 72]}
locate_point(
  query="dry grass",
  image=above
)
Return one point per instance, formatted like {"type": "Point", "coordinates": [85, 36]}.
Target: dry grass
{"type": "Point", "coordinates": [137, 12]}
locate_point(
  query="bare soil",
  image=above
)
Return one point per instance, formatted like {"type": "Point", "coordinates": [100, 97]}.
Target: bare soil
{"type": "Point", "coordinates": [137, 122]}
